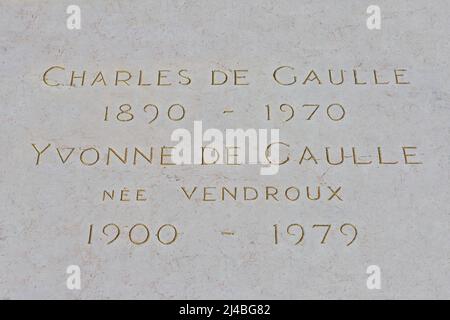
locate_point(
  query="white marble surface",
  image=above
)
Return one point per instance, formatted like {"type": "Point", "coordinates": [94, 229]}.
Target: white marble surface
{"type": "Point", "coordinates": [402, 212]}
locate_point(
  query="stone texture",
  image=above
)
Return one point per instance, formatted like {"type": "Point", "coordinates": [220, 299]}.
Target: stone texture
{"type": "Point", "coordinates": [402, 213]}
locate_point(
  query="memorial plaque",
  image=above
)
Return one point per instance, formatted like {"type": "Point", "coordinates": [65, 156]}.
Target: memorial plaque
{"type": "Point", "coordinates": [225, 150]}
